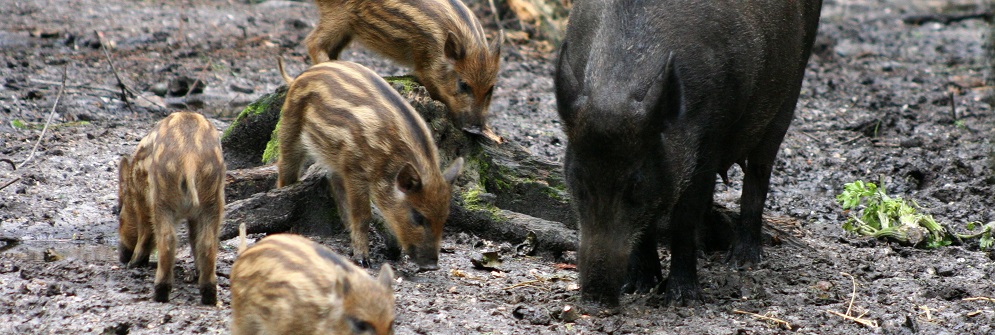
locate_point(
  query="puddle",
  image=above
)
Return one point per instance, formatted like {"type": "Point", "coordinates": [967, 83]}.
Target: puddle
{"type": "Point", "coordinates": [36, 251]}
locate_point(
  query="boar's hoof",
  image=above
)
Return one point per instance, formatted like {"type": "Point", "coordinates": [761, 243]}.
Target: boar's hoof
{"type": "Point", "coordinates": [745, 256]}
{"type": "Point", "coordinates": [209, 295]}
{"type": "Point", "coordinates": [162, 292]}
{"type": "Point", "coordinates": [642, 283]}
{"type": "Point", "coordinates": [427, 267]}
{"type": "Point", "coordinates": [681, 292]}
{"type": "Point", "coordinates": [138, 263]}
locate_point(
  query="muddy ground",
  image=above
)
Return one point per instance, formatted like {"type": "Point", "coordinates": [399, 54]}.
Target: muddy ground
{"type": "Point", "coordinates": [881, 98]}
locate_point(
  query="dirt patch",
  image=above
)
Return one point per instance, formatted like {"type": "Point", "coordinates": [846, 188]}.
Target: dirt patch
{"type": "Point", "coordinates": [881, 97]}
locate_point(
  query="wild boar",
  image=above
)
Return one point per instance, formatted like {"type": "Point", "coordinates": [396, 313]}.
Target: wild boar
{"type": "Point", "coordinates": [375, 147]}
{"type": "Point", "coordinates": [288, 284]}
{"type": "Point", "coordinates": [175, 174]}
{"type": "Point", "coordinates": [656, 98]}
{"type": "Point", "coordinates": [441, 40]}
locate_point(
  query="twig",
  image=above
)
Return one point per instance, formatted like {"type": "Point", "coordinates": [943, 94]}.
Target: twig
{"type": "Point", "coordinates": [979, 298]}
{"type": "Point", "coordinates": [853, 296]}
{"type": "Point", "coordinates": [947, 18]}
{"type": "Point", "coordinates": [953, 106]}
{"type": "Point", "coordinates": [200, 78]}
{"type": "Point", "coordinates": [9, 182]}
{"type": "Point", "coordinates": [865, 322]}
{"type": "Point", "coordinates": [524, 283]}
{"type": "Point", "coordinates": [51, 115]}
{"type": "Point", "coordinates": [120, 84]}
{"type": "Point", "coordinates": [764, 317]}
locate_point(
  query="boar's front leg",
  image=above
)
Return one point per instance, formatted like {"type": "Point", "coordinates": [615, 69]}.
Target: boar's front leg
{"type": "Point", "coordinates": [682, 283]}
{"type": "Point", "coordinates": [644, 264]}
{"type": "Point", "coordinates": [357, 201]}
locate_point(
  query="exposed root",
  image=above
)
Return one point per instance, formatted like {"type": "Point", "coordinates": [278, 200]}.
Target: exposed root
{"type": "Point", "coordinates": [783, 323]}
{"type": "Point", "coordinates": [848, 316]}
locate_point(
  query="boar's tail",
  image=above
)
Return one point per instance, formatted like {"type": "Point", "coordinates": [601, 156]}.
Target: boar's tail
{"type": "Point", "coordinates": [279, 65]}
{"type": "Point", "coordinates": [241, 237]}
{"type": "Point", "coordinates": [188, 184]}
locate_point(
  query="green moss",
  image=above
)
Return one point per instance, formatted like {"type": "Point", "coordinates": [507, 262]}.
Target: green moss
{"type": "Point", "coordinates": [472, 202]}
{"type": "Point", "coordinates": [18, 124]}
{"type": "Point", "coordinates": [272, 151]}
{"type": "Point", "coordinates": [255, 108]}
{"type": "Point", "coordinates": [408, 83]}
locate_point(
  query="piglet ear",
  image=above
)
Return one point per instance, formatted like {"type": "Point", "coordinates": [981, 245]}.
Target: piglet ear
{"type": "Point", "coordinates": [453, 48]}
{"type": "Point", "coordinates": [496, 47]}
{"type": "Point", "coordinates": [124, 168]}
{"type": "Point", "coordinates": [386, 276]}
{"type": "Point", "coordinates": [453, 171]}
{"type": "Point", "coordinates": [663, 98]}
{"type": "Point", "coordinates": [408, 179]}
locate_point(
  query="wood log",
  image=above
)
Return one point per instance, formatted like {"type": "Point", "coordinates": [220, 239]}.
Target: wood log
{"type": "Point", "coordinates": [503, 193]}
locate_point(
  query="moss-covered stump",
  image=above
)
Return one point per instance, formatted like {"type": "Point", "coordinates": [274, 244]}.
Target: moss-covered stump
{"type": "Point", "coordinates": [245, 140]}
{"type": "Point", "coordinates": [503, 193]}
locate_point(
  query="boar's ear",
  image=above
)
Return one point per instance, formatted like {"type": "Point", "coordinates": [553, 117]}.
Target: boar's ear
{"type": "Point", "coordinates": [453, 171]}
{"type": "Point", "coordinates": [569, 90]}
{"type": "Point", "coordinates": [453, 47]}
{"type": "Point", "coordinates": [386, 276]}
{"type": "Point", "coordinates": [663, 97]}
{"type": "Point", "coordinates": [408, 180]}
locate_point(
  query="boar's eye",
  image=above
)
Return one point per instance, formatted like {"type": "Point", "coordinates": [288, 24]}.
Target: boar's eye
{"type": "Point", "coordinates": [462, 87]}
{"type": "Point", "coordinates": [418, 219]}
{"type": "Point", "coordinates": [360, 326]}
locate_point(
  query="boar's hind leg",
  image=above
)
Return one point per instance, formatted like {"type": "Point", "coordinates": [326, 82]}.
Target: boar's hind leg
{"type": "Point", "coordinates": [204, 244]}
{"type": "Point", "coordinates": [644, 264]}
{"type": "Point", "coordinates": [747, 246]}
{"type": "Point", "coordinates": [332, 34]}
{"type": "Point", "coordinates": [166, 243]}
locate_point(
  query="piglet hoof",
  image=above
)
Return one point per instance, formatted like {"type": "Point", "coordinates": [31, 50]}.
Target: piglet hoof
{"type": "Point", "coordinates": [362, 261]}
{"type": "Point", "coordinates": [138, 263]}
{"type": "Point", "coordinates": [209, 295]}
{"type": "Point", "coordinates": [681, 293]}
{"type": "Point", "coordinates": [427, 267]}
{"type": "Point", "coordinates": [162, 292]}
{"type": "Point", "coordinates": [124, 255]}
{"type": "Point", "coordinates": [642, 283]}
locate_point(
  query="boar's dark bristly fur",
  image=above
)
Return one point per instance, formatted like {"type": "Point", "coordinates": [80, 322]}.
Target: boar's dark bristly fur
{"type": "Point", "coordinates": [175, 174]}
{"type": "Point", "coordinates": [288, 284]}
{"type": "Point", "coordinates": [375, 147]}
{"type": "Point", "coordinates": [441, 40]}
{"type": "Point", "coordinates": [656, 98]}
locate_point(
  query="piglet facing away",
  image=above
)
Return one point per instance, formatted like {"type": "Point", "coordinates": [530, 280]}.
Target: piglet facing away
{"type": "Point", "coordinates": [441, 40]}
{"type": "Point", "coordinates": [375, 147]}
{"type": "Point", "coordinates": [287, 284]}
{"type": "Point", "coordinates": [656, 98]}
{"type": "Point", "coordinates": [175, 174]}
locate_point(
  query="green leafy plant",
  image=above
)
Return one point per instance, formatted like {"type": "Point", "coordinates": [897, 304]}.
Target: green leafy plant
{"type": "Point", "coordinates": [889, 217]}
{"type": "Point", "coordinates": [900, 220]}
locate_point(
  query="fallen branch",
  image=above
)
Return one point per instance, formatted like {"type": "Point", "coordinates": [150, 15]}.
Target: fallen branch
{"type": "Point", "coordinates": [765, 317]}
{"type": "Point", "coordinates": [120, 84]}
{"type": "Point", "coordinates": [919, 19]}
{"type": "Point", "coordinates": [200, 78]}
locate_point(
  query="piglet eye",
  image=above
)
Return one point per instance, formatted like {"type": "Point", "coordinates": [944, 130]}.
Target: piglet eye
{"type": "Point", "coordinates": [360, 326]}
{"type": "Point", "coordinates": [418, 219]}
{"type": "Point", "coordinates": [462, 87]}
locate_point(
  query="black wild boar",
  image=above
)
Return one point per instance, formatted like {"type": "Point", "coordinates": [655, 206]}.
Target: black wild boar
{"type": "Point", "coordinates": [375, 147]}
{"type": "Point", "coordinates": [441, 40]}
{"type": "Point", "coordinates": [656, 98]}
{"type": "Point", "coordinates": [176, 173]}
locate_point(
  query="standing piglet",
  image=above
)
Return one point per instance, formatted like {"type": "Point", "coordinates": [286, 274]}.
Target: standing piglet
{"type": "Point", "coordinates": [287, 284]}
{"type": "Point", "coordinates": [440, 39]}
{"type": "Point", "coordinates": [175, 174]}
{"type": "Point", "coordinates": [656, 98]}
{"type": "Point", "coordinates": [375, 147]}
